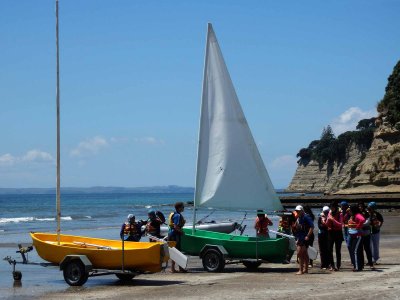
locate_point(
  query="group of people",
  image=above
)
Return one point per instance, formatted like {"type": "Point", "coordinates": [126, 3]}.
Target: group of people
{"type": "Point", "coordinates": [358, 225]}
{"type": "Point", "coordinates": [132, 230]}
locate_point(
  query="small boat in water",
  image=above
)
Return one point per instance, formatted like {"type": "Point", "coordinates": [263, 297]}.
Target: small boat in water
{"type": "Point", "coordinates": [102, 253]}
{"type": "Point", "coordinates": [230, 172]}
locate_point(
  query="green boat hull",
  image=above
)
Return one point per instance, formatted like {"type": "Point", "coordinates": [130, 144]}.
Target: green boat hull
{"type": "Point", "coordinates": [273, 250]}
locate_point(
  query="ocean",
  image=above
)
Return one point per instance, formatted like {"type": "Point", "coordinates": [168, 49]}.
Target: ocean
{"type": "Point", "coordinates": [99, 215]}
{"type": "Point", "coordinates": [94, 215]}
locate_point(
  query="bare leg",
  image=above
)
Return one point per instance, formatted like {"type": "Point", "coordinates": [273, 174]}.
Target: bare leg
{"type": "Point", "coordinates": [301, 259]}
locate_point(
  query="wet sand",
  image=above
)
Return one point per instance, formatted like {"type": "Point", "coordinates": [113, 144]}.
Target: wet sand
{"type": "Point", "coordinates": [274, 281]}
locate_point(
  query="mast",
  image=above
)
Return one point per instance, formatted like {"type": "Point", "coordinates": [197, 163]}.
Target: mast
{"type": "Point", "coordinates": [58, 130]}
{"type": "Point", "coordinates": [209, 28]}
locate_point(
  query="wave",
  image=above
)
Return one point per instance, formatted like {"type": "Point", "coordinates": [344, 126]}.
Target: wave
{"type": "Point", "coordinates": [31, 219]}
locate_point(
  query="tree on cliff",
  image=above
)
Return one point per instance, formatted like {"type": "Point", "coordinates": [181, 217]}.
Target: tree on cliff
{"type": "Point", "coordinates": [389, 106]}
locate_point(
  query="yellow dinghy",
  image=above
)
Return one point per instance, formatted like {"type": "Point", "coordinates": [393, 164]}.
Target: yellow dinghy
{"type": "Point", "coordinates": [102, 253]}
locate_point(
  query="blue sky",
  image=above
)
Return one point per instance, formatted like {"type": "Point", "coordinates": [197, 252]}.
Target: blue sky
{"type": "Point", "coordinates": [131, 76]}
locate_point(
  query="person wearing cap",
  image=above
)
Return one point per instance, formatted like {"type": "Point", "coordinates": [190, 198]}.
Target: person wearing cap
{"type": "Point", "coordinates": [345, 212]}
{"type": "Point", "coordinates": [261, 224]}
{"type": "Point", "coordinates": [323, 241]}
{"type": "Point", "coordinates": [376, 220]}
{"type": "Point", "coordinates": [131, 229]}
{"type": "Point", "coordinates": [303, 229]}
{"type": "Point", "coordinates": [335, 235]}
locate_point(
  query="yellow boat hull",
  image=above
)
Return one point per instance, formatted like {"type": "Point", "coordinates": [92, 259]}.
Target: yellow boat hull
{"type": "Point", "coordinates": [102, 253]}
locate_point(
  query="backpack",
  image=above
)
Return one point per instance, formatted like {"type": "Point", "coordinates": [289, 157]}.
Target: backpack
{"type": "Point", "coordinates": [160, 215]}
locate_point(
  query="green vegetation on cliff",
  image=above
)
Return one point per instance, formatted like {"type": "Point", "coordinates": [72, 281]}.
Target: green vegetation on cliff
{"type": "Point", "coordinates": [329, 149]}
{"type": "Point", "coordinates": [389, 106]}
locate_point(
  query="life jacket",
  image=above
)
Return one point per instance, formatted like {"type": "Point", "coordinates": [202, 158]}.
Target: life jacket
{"type": "Point", "coordinates": [130, 229]}
{"type": "Point", "coordinates": [284, 224]}
{"type": "Point", "coordinates": [171, 220]}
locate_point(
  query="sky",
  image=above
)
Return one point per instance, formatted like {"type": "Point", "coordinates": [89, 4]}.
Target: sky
{"type": "Point", "coordinates": [131, 77]}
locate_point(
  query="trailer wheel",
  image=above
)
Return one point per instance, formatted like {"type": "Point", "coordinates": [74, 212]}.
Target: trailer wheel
{"type": "Point", "coordinates": [74, 273]}
{"type": "Point", "coordinates": [251, 265]}
{"type": "Point", "coordinates": [17, 275]}
{"type": "Point", "coordinates": [125, 277]}
{"type": "Point", "coordinates": [213, 261]}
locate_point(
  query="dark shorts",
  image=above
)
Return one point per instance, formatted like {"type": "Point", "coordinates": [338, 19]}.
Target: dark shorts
{"type": "Point", "coordinates": [175, 238]}
{"type": "Point", "coordinates": [302, 243]}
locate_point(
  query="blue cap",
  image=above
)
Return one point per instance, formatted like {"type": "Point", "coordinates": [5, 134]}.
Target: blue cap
{"type": "Point", "coordinates": [344, 203]}
{"type": "Point", "coordinates": [372, 204]}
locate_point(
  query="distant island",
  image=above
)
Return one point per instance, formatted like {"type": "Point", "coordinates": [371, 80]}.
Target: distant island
{"type": "Point", "coordinates": [170, 189]}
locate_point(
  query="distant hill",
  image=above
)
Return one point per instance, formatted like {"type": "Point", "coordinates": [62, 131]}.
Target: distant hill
{"type": "Point", "coordinates": [173, 189]}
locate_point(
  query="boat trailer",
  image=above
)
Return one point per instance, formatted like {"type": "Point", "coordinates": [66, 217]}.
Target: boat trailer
{"type": "Point", "coordinates": [76, 268]}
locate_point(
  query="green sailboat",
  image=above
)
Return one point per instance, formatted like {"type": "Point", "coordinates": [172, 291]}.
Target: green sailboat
{"type": "Point", "coordinates": [230, 173]}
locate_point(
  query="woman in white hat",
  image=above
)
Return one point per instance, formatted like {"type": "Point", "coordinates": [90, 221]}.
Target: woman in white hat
{"type": "Point", "coordinates": [304, 229]}
{"type": "Point", "coordinates": [323, 241]}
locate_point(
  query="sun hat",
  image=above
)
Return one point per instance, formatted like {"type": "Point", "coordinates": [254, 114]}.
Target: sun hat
{"type": "Point", "coordinates": [299, 207]}
{"type": "Point", "coordinates": [325, 208]}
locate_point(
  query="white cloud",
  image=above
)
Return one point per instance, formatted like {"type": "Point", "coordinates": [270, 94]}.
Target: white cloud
{"type": "Point", "coordinates": [149, 141]}
{"type": "Point", "coordinates": [284, 161]}
{"type": "Point", "coordinates": [349, 119]}
{"type": "Point", "coordinates": [32, 156]}
{"type": "Point", "coordinates": [89, 146]}
{"type": "Point", "coordinates": [7, 159]}
{"type": "Point", "coordinates": [37, 156]}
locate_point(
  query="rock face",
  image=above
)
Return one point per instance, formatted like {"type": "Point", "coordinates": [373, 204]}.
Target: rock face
{"type": "Point", "coordinates": [375, 170]}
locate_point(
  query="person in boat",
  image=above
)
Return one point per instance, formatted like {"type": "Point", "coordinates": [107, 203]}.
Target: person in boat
{"type": "Point", "coordinates": [355, 225]}
{"type": "Point", "coordinates": [308, 211]}
{"type": "Point", "coordinates": [345, 212]}
{"type": "Point", "coordinates": [285, 226]}
{"type": "Point", "coordinates": [131, 230]}
{"type": "Point", "coordinates": [366, 233]}
{"type": "Point", "coordinates": [303, 229]}
{"type": "Point", "coordinates": [335, 235]}
{"type": "Point", "coordinates": [376, 224]}
{"type": "Point", "coordinates": [323, 241]}
{"type": "Point", "coordinates": [176, 221]}
{"type": "Point", "coordinates": [153, 224]}
{"type": "Point", "coordinates": [261, 224]}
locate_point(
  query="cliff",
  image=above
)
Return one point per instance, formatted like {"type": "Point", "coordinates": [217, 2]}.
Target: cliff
{"type": "Point", "coordinates": [376, 170]}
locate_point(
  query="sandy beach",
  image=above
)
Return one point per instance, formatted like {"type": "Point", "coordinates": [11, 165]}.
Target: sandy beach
{"type": "Point", "coordinates": [274, 281]}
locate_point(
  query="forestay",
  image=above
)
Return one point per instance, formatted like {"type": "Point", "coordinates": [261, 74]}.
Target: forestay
{"type": "Point", "coordinates": [230, 170]}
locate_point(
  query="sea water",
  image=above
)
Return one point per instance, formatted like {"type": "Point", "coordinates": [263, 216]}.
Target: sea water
{"type": "Point", "coordinates": [94, 215]}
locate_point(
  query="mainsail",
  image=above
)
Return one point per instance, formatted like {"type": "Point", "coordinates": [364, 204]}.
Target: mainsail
{"type": "Point", "coordinates": [230, 170]}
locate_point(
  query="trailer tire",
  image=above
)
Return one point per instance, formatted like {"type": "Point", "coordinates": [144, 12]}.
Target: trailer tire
{"type": "Point", "coordinates": [213, 261]}
{"type": "Point", "coordinates": [125, 277]}
{"type": "Point", "coordinates": [17, 275]}
{"type": "Point", "coordinates": [74, 273]}
{"type": "Point", "coordinates": [252, 265]}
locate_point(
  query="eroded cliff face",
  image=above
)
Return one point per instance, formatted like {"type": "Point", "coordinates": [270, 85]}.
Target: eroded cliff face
{"type": "Point", "coordinates": [374, 171]}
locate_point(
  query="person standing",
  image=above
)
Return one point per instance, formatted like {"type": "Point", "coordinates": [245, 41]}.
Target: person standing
{"type": "Point", "coordinates": [285, 226]}
{"type": "Point", "coordinates": [323, 241]}
{"type": "Point", "coordinates": [345, 218]}
{"type": "Point", "coordinates": [335, 236]}
{"type": "Point", "coordinates": [308, 212]}
{"type": "Point", "coordinates": [356, 223]}
{"type": "Point", "coordinates": [261, 224]}
{"type": "Point", "coordinates": [304, 228]}
{"type": "Point", "coordinates": [153, 225]}
{"type": "Point", "coordinates": [376, 224]}
{"type": "Point", "coordinates": [176, 221]}
{"type": "Point", "coordinates": [366, 233]}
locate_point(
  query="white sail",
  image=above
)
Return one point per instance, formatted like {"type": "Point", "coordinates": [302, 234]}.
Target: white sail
{"type": "Point", "coordinates": [230, 170]}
